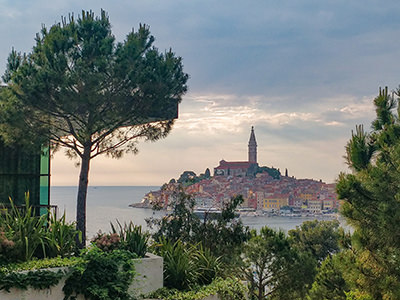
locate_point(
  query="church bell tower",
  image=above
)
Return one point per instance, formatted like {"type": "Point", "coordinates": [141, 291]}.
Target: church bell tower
{"type": "Point", "coordinates": [252, 147]}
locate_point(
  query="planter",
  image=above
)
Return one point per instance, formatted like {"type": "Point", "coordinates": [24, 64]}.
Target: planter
{"type": "Point", "coordinates": [148, 279]}
{"type": "Point", "coordinates": [149, 275]}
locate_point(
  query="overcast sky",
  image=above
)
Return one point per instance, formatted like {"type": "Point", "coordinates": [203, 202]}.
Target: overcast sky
{"type": "Point", "coordinates": [303, 73]}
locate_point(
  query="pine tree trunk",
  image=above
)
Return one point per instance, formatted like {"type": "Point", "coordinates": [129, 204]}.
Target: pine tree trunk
{"type": "Point", "coordinates": [82, 193]}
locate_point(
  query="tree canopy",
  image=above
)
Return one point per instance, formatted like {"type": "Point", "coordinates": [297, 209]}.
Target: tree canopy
{"type": "Point", "coordinates": [372, 205]}
{"type": "Point", "coordinates": [84, 91]}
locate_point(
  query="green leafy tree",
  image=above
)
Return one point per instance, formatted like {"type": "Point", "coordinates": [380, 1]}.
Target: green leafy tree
{"type": "Point", "coordinates": [181, 223]}
{"type": "Point", "coordinates": [187, 178]}
{"type": "Point", "coordinates": [319, 238]}
{"type": "Point", "coordinates": [372, 205]}
{"type": "Point", "coordinates": [222, 233]}
{"type": "Point", "coordinates": [274, 269]}
{"type": "Point", "coordinates": [92, 95]}
{"type": "Point", "coordinates": [330, 283]}
{"type": "Point", "coordinates": [274, 173]}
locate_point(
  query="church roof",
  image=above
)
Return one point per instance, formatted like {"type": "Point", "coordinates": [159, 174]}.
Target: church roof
{"type": "Point", "coordinates": [234, 164]}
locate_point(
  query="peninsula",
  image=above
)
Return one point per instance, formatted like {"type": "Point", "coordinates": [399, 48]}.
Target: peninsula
{"type": "Point", "coordinates": [264, 189]}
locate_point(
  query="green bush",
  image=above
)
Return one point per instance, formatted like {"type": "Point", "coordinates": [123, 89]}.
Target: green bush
{"type": "Point", "coordinates": [128, 237]}
{"type": "Point", "coordinates": [36, 275]}
{"type": "Point", "coordinates": [36, 264]}
{"type": "Point", "coordinates": [24, 235]}
{"type": "Point", "coordinates": [222, 233]}
{"type": "Point", "coordinates": [101, 275]}
{"type": "Point", "coordinates": [28, 232]}
{"type": "Point", "coordinates": [187, 265]}
{"type": "Point", "coordinates": [40, 279]}
{"type": "Point", "coordinates": [208, 266]}
{"type": "Point", "coordinates": [61, 237]}
{"type": "Point", "coordinates": [132, 238]}
{"type": "Point", "coordinates": [180, 270]}
{"type": "Point", "coordinates": [227, 289]}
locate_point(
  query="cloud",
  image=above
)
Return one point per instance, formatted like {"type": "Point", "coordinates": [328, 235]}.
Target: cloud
{"type": "Point", "coordinates": [302, 72]}
{"type": "Point", "coordinates": [213, 114]}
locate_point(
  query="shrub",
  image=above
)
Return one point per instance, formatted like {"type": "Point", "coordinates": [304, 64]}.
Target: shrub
{"type": "Point", "coordinates": [222, 234]}
{"type": "Point", "coordinates": [6, 248]}
{"type": "Point", "coordinates": [208, 266]}
{"type": "Point", "coordinates": [102, 275]}
{"type": "Point", "coordinates": [61, 237]}
{"type": "Point", "coordinates": [186, 265]}
{"type": "Point", "coordinates": [27, 230]}
{"type": "Point", "coordinates": [180, 270]}
{"type": "Point", "coordinates": [227, 289]}
{"type": "Point", "coordinates": [132, 238]}
{"type": "Point", "coordinates": [24, 235]}
{"type": "Point", "coordinates": [36, 275]}
{"type": "Point", "coordinates": [107, 242]}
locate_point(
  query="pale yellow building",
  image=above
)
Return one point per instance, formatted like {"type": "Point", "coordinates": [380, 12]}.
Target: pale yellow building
{"type": "Point", "coordinates": [314, 206]}
{"type": "Point", "coordinates": [275, 203]}
{"type": "Point", "coordinates": [327, 204]}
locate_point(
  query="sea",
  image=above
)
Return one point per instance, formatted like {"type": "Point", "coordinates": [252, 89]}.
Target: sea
{"type": "Point", "coordinates": [107, 204]}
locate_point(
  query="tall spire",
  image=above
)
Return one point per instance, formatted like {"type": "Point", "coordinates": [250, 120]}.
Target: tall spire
{"type": "Point", "coordinates": [252, 147]}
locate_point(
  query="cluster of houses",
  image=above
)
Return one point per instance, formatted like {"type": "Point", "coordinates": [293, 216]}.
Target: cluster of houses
{"type": "Point", "coordinates": [260, 190]}
{"type": "Point", "coordinates": [261, 193]}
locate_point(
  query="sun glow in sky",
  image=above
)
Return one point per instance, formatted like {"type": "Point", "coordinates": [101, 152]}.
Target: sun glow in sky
{"type": "Point", "coordinates": [303, 73]}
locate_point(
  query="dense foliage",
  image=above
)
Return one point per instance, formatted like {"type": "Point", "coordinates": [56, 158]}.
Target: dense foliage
{"type": "Point", "coordinates": [226, 289]}
{"type": "Point", "coordinates": [85, 92]}
{"type": "Point", "coordinates": [274, 173]}
{"type": "Point", "coordinates": [372, 205]}
{"type": "Point", "coordinates": [128, 237]}
{"type": "Point", "coordinates": [319, 239]}
{"type": "Point", "coordinates": [38, 279]}
{"type": "Point", "coordinates": [186, 265]}
{"type": "Point", "coordinates": [25, 235]}
{"type": "Point", "coordinates": [274, 268]}
{"type": "Point", "coordinates": [222, 234]}
{"type": "Point", "coordinates": [103, 272]}
{"type": "Point", "coordinates": [102, 275]}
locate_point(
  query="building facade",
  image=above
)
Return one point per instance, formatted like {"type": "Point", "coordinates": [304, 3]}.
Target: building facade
{"type": "Point", "coordinates": [240, 168]}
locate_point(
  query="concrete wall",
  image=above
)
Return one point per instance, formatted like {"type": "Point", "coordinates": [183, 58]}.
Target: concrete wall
{"type": "Point", "coordinates": [149, 275]}
{"type": "Point", "coordinates": [148, 279]}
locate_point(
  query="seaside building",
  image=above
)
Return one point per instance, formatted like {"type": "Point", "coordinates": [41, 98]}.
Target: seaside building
{"type": "Point", "coordinates": [240, 168]}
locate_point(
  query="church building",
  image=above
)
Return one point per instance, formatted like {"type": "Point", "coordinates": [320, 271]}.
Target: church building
{"type": "Point", "coordinates": [240, 168]}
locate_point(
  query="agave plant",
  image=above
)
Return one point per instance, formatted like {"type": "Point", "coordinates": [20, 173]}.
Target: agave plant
{"type": "Point", "coordinates": [132, 238]}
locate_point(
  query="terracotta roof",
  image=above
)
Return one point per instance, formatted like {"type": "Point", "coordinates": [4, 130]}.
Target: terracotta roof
{"type": "Point", "coordinates": [234, 165]}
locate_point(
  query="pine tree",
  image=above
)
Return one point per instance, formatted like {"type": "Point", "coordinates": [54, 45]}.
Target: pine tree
{"type": "Point", "coordinates": [92, 95]}
{"type": "Point", "coordinates": [372, 205]}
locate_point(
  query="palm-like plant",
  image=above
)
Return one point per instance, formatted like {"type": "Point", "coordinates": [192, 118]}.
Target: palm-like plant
{"type": "Point", "coordinates": [180, 269]}
{"type": "Point", "coordinates": [132, 238]}
{"type": "Point", "coordinates": [27, 229]}
{"type": "Point", "coordinates": [208, 266]}
{"type": "Point", "coordinates": [60, 238]}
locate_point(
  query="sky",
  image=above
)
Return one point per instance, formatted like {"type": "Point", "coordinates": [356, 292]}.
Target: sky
{"type": "Point", "coordinates": [303, 73]}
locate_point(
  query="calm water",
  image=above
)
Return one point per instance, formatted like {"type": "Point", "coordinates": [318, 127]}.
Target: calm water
{"type": "Point", "coordinates": [106, 204]}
